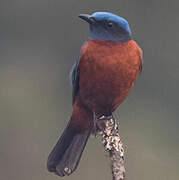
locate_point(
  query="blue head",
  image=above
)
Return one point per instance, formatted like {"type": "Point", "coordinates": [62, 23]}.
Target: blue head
{"type": "Point", "coordinates": [107, 26]}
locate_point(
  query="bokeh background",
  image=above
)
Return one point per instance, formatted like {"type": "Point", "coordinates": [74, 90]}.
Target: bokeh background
{"type": "Point", "coordinates": [39, 41]}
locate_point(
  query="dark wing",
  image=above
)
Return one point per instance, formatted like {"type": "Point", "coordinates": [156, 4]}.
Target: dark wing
{"type": "Point", "coordinates": [140, 66]}
{"type": "Point", "coordinates": [140, 54]}
{"type": "Point", "coordinates": [74, 80]}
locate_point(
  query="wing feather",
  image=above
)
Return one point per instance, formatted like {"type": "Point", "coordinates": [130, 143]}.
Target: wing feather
{"type": "Point", "coordinates": [74, 80]}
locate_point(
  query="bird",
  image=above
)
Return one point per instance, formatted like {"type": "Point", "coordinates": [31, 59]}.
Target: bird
{"type": "Point", "coordinates": [101, 79]}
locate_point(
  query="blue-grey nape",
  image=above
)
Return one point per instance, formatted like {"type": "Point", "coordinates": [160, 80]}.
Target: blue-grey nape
{"type": "Point", "coordinates": [110, 27]}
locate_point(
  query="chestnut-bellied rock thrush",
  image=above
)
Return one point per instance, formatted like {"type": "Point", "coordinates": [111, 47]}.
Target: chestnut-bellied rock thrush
{"type": "Point", "coordinates": [101, 79]}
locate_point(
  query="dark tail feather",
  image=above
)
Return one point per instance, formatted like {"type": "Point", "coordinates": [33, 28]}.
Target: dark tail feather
{"type": "Point", "coordinates": [66, 154]}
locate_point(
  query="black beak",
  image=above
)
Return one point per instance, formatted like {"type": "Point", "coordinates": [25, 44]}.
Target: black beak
{"type": "Point", "coordinates": [87, 18]}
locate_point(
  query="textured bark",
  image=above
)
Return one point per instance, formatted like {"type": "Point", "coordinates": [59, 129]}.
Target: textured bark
{"type": "Point", "coordinates": [113, 145]}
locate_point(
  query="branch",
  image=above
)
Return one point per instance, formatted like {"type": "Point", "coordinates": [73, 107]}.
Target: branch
{"type": "Point", "coordinates": [113, 145]}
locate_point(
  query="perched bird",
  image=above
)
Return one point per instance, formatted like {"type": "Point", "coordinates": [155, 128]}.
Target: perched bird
{"type": "Point", "coordinates": [101, 79]}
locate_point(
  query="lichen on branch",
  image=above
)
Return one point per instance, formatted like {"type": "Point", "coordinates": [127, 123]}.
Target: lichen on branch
{"type": "Point", "coordinates": [112, 143]}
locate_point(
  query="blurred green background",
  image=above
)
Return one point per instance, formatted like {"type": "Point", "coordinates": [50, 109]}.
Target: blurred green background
{"type": "Point", "coordinates": [39, 41]}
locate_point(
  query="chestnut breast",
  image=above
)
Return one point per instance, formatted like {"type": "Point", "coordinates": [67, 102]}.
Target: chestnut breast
{"type": "Point", "coordinates": [108, 70]}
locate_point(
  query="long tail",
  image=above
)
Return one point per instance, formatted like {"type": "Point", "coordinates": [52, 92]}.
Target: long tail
{"type": "Point", "coordinates": [66, 154]}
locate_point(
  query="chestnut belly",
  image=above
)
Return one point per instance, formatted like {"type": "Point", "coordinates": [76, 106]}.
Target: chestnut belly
{"type": "Point", "coordinates": [104, 91]}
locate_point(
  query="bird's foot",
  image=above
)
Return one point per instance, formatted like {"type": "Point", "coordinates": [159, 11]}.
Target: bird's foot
{"type": "Point", "coordinates": [100, 123]}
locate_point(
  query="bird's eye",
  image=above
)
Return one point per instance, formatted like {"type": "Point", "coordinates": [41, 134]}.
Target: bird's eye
{"type": "Point", "coordinates": [110, 24]}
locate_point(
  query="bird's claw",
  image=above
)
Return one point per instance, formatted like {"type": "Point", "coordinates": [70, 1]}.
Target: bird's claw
{"type": "Point", "coordinates": [99, 123]}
